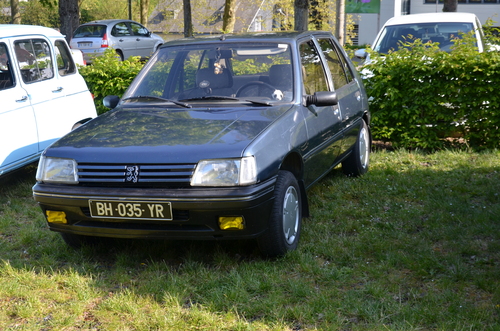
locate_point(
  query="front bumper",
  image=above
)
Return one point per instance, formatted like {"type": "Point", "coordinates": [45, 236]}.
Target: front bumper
{"type": "Point", "coordinates": [196, 211]}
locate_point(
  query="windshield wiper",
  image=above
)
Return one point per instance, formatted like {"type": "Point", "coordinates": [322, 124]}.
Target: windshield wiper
{"type": "Point", "coordinates": [182, 104]}
{"type": "Point", "coordinates": [220, 97]}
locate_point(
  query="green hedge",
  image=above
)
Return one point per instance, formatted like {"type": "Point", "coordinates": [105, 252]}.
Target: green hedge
{"type": "Point", "coordinates": [420, 97]}
{"type": "Point", "coordinates": [109, 76]}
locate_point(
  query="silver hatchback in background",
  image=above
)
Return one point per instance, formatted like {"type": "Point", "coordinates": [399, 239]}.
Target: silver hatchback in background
{"type": "Point", "coordinates": [127, 37]}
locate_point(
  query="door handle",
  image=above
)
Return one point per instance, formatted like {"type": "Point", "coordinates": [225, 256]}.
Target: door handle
{"type": "Point", "coordinates": [23, 99]}
{"type": "Point", "coordinates": [57, 90]}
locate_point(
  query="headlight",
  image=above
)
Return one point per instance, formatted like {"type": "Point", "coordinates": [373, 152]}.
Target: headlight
{"type": "Point", "coordinates": [231, 172]}
{"type": "Point", "coordinates": [56, 170]}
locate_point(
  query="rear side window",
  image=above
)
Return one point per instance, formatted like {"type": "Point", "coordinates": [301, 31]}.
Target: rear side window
{"type": "Point", "coordinates": [65, 63]}
{"type": "Point", "coordinates": [90, 31]}
{"type": "Point", "coordinates": [6, 78]}
{"type": "Point", "coordinates": [120, 29]}
{"type": "Point", "coordinates": [35, 59]}
{"type": "Point", "coordinates": [139, 30]}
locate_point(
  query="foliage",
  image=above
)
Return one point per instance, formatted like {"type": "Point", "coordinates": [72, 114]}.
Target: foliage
{"type": "Point", "coordinates": [420, 95]}
{"type": "Point", "coordinates": [412, 245]}
{"type": "Point", "coordinates": [109, 76]}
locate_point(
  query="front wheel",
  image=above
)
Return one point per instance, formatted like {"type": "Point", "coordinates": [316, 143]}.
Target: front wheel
{"type": "Point", "coordinates": [357, 162]}
{"type": "Point", "coordinates": [286, 217]}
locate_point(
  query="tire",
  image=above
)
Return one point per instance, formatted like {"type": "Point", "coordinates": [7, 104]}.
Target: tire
{"type": "Point", "coordinates": [77, 241]}
{"type": "Point", "coordinates": [285, 220]}
{"type": "Point", "coordinates": [119, 55]}
{"type": "Point", "coordinates": [358, 161]}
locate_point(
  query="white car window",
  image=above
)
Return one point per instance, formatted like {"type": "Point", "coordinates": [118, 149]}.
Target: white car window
{"type": "Point", "coordinates": [35, 60]}
{"type": "Point", "coordinates": [65, 63]}
{"type": "Point", "coordinates": [6, 78]}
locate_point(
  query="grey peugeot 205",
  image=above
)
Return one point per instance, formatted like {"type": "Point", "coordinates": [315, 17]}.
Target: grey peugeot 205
{"type": "Point", "coordinates": [216, 138]}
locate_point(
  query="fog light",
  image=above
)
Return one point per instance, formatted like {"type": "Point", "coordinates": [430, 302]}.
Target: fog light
{"type": "Point", "coordinates": [56, 216]}
{"type": "Point", "coordinates": [231, 223]}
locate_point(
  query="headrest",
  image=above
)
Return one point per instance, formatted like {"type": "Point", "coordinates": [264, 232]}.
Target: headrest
{"type": "Point", "coordinates": [206, 78]}
{"type": "Point", "coordinates": [280, 75]}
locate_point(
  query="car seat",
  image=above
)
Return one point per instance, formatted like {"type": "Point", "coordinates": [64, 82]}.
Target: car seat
{"type": "Point", "coordinates": [280, 76]}
{"type": "Point", "coordinates": [210, 83]}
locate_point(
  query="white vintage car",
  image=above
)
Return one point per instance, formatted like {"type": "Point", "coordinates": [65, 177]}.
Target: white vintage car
{"type": "Point", "coordinates": [43, 95]}
{"type": "Point", "coordinates": [440, 28]}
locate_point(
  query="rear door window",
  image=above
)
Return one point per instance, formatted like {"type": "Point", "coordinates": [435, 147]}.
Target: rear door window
{"type": "Point", "coordinates": [65, 63]}
{"type": "Point", "coordinates": [120, 30]}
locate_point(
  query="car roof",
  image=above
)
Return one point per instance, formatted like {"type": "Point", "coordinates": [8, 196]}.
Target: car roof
{"type": "Point", "coordinates": [286, 36]}
{"type": "Point", "coordinates": [432, 18]}
{"type": "Point", "coordinates": [106, 22]}
{"type": "Point", "coordinates": [11, 30]}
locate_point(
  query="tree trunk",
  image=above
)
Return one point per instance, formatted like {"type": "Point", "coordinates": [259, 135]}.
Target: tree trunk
{"type": "Point", "coordinates": [69, 16]}
{"type": "Point", "coordinates": [450, 5]}
{"type": "Point", "coordinates": [229, 16]}
{"type": "Point", "coordinates": [340, 22]}
{"type": "Point", "coordinates": [301, 9]}
{"type": "Point", "coordinates": [188, 22]}
{"type": "Point", "coordinates": [14, 10]}
{"type": "Point", "coordinates": [144, 11]}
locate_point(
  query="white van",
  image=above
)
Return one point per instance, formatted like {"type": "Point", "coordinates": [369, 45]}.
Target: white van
{"type": "Point", "coordinates": [42, 94]}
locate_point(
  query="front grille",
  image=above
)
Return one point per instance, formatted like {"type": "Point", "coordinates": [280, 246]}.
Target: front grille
{"type": "Point", "coordinates": [135, 174]}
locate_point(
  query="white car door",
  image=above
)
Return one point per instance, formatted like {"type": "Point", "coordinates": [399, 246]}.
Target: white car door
{"type": "Point", "coordinates": [36, 64]}
{"type": "Point", "coordinates": [18, 133]}
{"type": "Point", "coordinates": [78, 103]}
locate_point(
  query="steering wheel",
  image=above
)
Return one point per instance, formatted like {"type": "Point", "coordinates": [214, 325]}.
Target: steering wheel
{"type": "Point", "coordinates": [255, 91]}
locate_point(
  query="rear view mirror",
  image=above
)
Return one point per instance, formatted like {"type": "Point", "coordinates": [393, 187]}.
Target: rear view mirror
{"type": "Point", "coordinates": [110, 101]}
{"type": "Point", "coordinates": [360, 53]}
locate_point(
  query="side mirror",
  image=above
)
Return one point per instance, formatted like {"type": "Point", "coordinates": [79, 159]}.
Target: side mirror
{"type": "Point", "coordinates": [360, 53]}
{"type": "Point", "coordinates": [110, 101]}
{"type": "Point", "coordinates": [321, 99]}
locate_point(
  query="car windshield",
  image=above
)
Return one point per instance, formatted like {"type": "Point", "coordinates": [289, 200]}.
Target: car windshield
{"type": "Point", "coordinates": [92, 31]}
{"type": "Point", "coordinates": [393, 36]}
{"type": "Point", "coordinates": [259, 72]}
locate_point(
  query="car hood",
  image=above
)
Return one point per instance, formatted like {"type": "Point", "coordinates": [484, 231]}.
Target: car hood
{"type": "Point", "coordinates": [159, 135]}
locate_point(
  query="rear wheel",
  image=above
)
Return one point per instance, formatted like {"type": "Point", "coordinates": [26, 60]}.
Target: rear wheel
{"type": "Point", "coordinates": [357, 162]}
{"type": "Point", "coordinates": [286, 217]}
{"type": "Point", "coordinates": [119, 55]}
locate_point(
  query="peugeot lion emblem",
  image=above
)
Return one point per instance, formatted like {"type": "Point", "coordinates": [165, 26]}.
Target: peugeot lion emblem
{"type": "Point", "coordinates": [132, 174]}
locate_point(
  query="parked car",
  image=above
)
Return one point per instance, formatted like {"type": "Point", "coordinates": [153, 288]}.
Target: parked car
{"type": "Point", "coordinates": [127, 37]}
{"type": "Point", "coordinates": [435, 27]}
{"type": "Point", "coordinates": [216, 138]}
{"type": "Point", "coordinates": [42, 94]}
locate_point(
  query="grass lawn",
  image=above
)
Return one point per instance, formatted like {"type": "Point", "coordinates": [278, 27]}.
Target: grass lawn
{"type": "Point", "coordinates": [412, 245]}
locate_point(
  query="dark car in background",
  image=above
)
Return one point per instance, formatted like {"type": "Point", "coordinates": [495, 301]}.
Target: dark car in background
{"type": "Point", "coordinates": [127, 37]}
{"type": "Point", "coordinates": [216, 138]}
